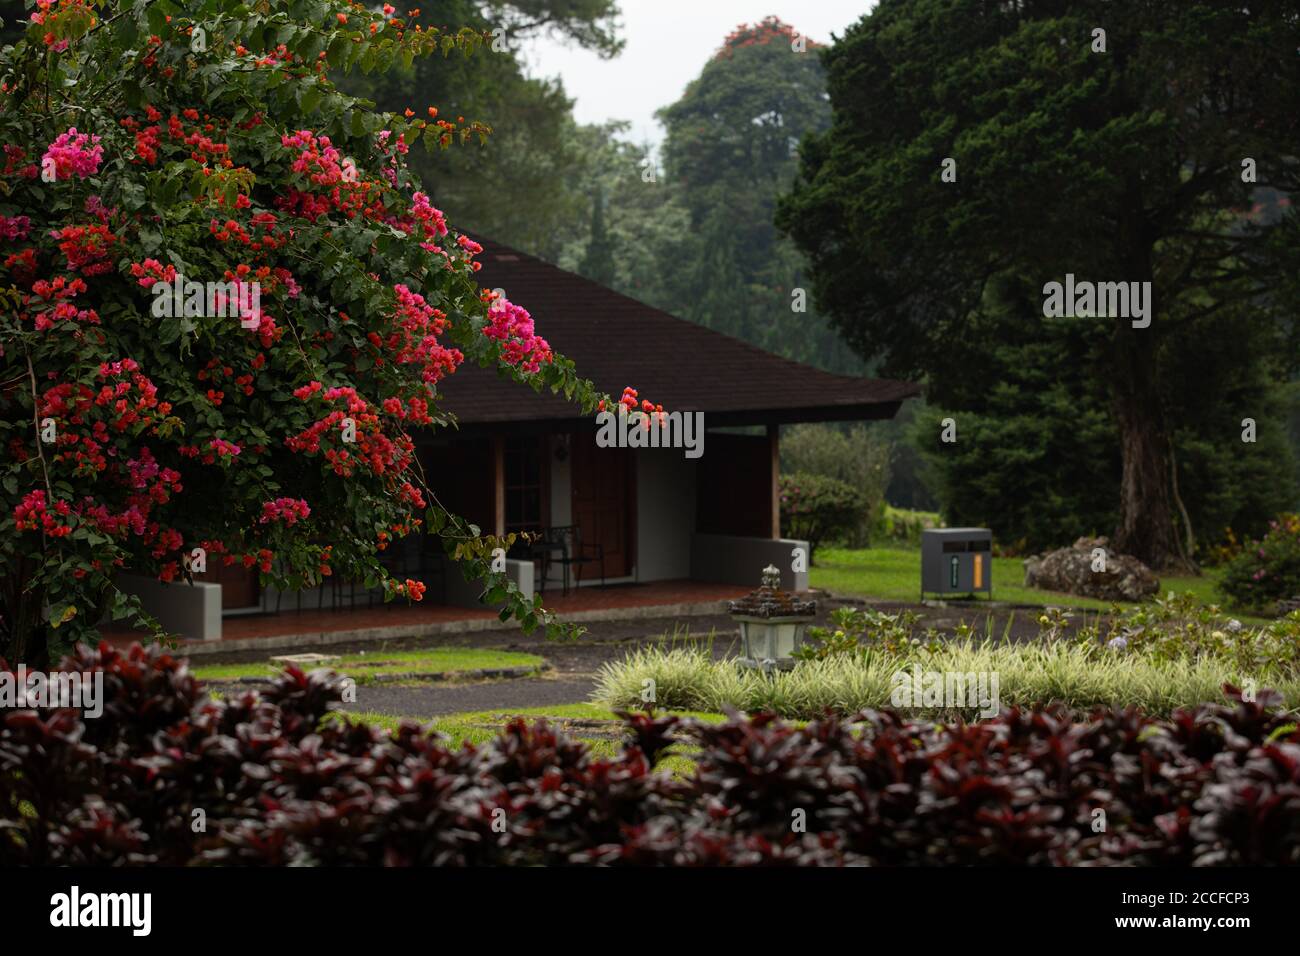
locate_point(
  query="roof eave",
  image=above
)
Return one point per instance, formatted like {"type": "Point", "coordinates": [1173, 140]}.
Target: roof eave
{"type": "Point", "coordinates": [858, 411]}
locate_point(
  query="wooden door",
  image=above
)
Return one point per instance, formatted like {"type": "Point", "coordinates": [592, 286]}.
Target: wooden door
{"type": "Point", "coordinates": [733, 487]}
{"type": "Point", "coordinates": [240, 587]}
{"type": "Point", "coordinates": [604, 502]}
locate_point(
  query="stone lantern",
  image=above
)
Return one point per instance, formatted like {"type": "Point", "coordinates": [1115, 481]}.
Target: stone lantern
{"type": "Point", "coordinates": [772, 623]}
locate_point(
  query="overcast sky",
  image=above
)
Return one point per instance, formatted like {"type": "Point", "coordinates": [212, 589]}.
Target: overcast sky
{"type": "Point", "coordinates": [668, 43]}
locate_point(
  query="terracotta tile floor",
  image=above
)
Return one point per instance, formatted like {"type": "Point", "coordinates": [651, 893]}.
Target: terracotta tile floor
{"type": "Point", "coordinates": [618, 596]}
{"type": "Point", "coordinates": [593, 599]}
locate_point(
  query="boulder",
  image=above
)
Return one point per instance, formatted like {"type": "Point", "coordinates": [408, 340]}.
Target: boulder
{"type": "Point", "coordinates": [1078, 570]}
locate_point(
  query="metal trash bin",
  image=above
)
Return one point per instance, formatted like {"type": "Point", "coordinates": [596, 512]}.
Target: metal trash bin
{"type": "Point", "coordinates": [956, 561]}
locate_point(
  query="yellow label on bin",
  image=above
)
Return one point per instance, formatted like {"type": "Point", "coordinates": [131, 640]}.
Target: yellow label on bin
{"type": "Point", "coordinates": [979, 570]}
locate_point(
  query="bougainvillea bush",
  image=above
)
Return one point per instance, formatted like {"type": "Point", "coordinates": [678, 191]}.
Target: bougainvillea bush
{"type": "Point", "coordinates": [147, 146]}
{"type": "Point", "coordinates": [1268, 570]}
{"type": "Point", "coordinates": [169, 775]}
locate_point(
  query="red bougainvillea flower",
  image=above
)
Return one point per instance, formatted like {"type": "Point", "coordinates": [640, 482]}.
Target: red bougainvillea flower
{"type": "Point", "coordinates": [14, 228]}
{"type": "Point", "coordinates": [224, 448]}
{"type": "Point", "coordinates": [414, 590]}
{"type": "Point", "coordinates": [31, 515]}
{"type": "Point", "coordinates": [86, 248]}
{"type": "Point", "coordinates": [286, 510]}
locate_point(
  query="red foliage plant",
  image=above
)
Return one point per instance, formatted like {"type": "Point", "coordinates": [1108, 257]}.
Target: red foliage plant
{"type": "Point", "coordinates": [281, 781]}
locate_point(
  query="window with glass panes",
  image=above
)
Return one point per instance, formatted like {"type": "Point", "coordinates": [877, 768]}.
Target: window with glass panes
{"type": "Point", "coordinates": [524, 484]}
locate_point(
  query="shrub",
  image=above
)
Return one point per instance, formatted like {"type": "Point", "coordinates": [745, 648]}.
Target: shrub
{"type": "Point", "coordinates": [276, 784]}
{"type": "Point", "coordinates": [1177, 627]}
{"type": "Point", "coordinates": [862, 630]}
{"type": "Point", "coordinates": [1219, 552]}
{"type": "Point", "coordinates": [1215, 785]}
{"type": "Point", "coordinates": [1268, 570]}
{"type": "Point", "coordinates": [815, 508]}
{"type": "Point", "coordinates": [901, 526]}
{"type": "Point", "coordinates": [859, 456]}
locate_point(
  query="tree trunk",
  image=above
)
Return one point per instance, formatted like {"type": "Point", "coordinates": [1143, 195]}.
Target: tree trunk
{"type": "Point", "coordinates": [1146, 522]}
{"type": "Point", "coordinates": [1146, 515]}
{"type": "Point", "coordinates": [25, 640]}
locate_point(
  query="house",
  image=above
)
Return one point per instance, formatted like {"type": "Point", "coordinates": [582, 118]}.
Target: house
{"type": "Point", "coordinates": [526, 462]}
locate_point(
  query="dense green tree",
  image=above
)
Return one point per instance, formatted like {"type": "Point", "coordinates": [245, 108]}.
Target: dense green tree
{"type": "Point", "coordinates": [1291, 401]}
{"type": "Point", "coordinates": [1122, 165]}
{"type": "Point", "coordinates": [591, 23]}
{"type": "Point", "coordinates": [598, 263]}
{"type": "Point", "coordinates": [523, 184]}
{"type": "Point", "coordinates": [1037, 453]}
{"type": "Point", "coordinates": [912, 481]}
{"type": "Point", "coordinates": [730, 151]}
{"type": "Point", "coordinates": [1222, 372]}
{"type": "Point", "coordinates": [643, 218]}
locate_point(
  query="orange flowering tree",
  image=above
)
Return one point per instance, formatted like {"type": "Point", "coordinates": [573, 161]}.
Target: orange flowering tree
{"type": "Point", "coordinates": [225, 304]}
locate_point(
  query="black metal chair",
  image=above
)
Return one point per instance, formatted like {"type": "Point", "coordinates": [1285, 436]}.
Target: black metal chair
{"type": "Point", "coordinates": [542, 553]}
{"type": "Point", "coordinates": [413, 558]}
{"type": "Point", "coordinates": [563, 545]}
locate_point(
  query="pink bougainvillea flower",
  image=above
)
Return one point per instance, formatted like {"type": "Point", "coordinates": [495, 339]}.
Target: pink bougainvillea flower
{"type": "Point", "coordinates": [73, 153]}
{"type": "Point", "coordinates": [512, 326]}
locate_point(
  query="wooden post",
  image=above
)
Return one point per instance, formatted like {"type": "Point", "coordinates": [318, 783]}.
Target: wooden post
{"type": "Point", "coordinates": [499, 485]}
{"type": "Point", "coordinates": [774, 442]}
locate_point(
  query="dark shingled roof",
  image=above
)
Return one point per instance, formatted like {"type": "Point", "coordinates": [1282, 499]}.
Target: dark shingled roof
{"type": "Point", "coordinates": [616, 341]}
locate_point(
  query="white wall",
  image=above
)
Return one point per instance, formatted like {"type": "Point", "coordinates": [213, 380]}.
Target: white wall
{"type": "Point", "coordinates": [462, 593]}
{"type": "Point", "coordinates": [665, 513]}
{"type": "Point", "coordinates": [730, 559]}
{"type": "Point", "coordinates": [191, 610]}
{"type": "Point", "coordinates": [561, 486]}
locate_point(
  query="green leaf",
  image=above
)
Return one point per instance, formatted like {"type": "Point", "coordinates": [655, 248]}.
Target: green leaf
{"type": "Point", "coordinates": [311, 98]}
{"type": "Point", "coordinates": [337, 54]}
{"type": "Point", "coordinates": [156, 17]}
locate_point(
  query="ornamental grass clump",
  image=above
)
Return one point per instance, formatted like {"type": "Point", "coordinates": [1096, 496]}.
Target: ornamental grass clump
{"type": "Point", "coordinates": [1028, 676]}
{"type": "Point", "coordinates": [1172, 654]}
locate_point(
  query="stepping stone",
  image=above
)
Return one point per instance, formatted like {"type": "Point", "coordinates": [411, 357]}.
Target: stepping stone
{"type": "Point", "coordinates": [304, 660]}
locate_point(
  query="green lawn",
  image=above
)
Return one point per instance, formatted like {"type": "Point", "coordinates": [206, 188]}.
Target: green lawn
{"type": "Point", "coordinates": [379, 661]}
{"type": "Point", "coordinates": [894, 574]}
{"type": "Point", "coordinates": [465, 726]}
{"type": "Point", "coordinates": [469, 726]}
